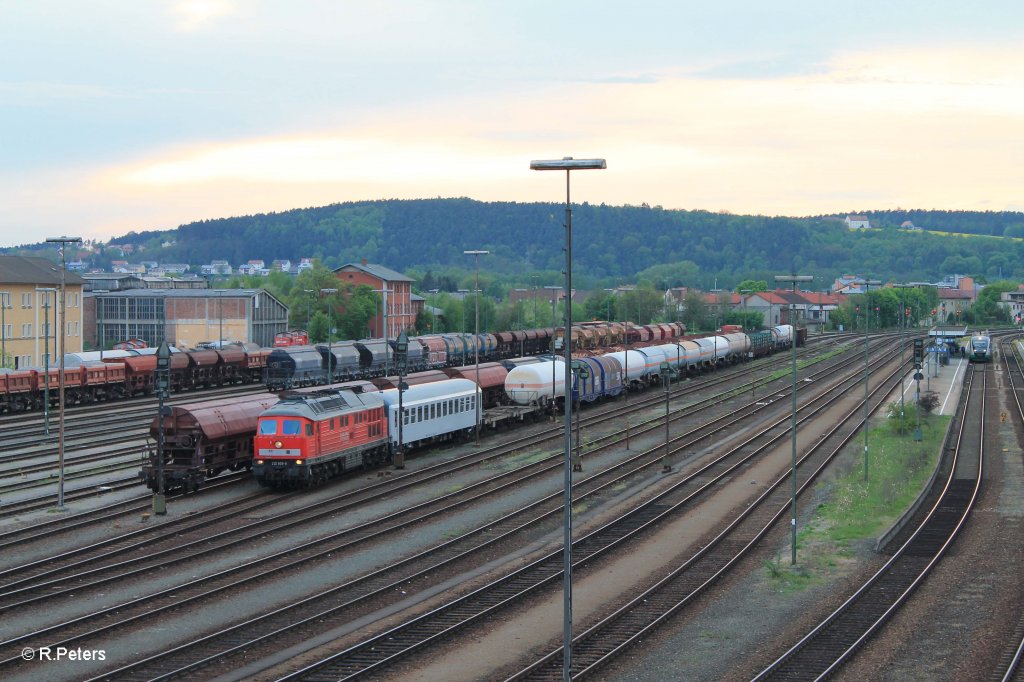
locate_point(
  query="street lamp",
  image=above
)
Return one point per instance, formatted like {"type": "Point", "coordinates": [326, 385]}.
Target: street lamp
{"type": "Point", "coordinates": [5, 303]}
{"type": "Point", "coordinates": [867, 322]}
{"type": "Point", "coordinates": [476, 340]}
{"type": "Point", "coordinates": [384, 291]}
{"type": "Point", "coordinates": [330, 336]}
{"type": "Point", "coordinates": [309, 298]}
{"type": "Point", "coordinates": [744, 293]}
{"type": "Point", "coordinates": [568, 164]}
{"type": "Point", "coordinates": [794, 280]}
{"type": "Point", "coordinates": [63, 241]}
{"type": "Point", "coordinates": [903, 329]}
{"type": "Point", "coordinates": [45, 328]}
{"type": "Point", "coordinates": [220, 318]}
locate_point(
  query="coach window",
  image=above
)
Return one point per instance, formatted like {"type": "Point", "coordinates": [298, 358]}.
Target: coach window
{"type": "Point", "coordinates": [268, 427]}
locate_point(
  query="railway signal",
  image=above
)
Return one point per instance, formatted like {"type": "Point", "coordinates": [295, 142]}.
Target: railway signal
{"type": "Point", "coordinates": [401, 358]}
{"type": "Point", "coordinates": [918, 353]}
{"type": "Point", "coordinates": [581, 373]}
{"type": "Point", "coordinates": [163, 385]}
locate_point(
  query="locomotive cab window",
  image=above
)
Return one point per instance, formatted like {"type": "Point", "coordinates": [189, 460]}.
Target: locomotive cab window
{"type": "Point", "coordinates": [291, 427]}
{"type": "Point", "coordinates": [268, 427]}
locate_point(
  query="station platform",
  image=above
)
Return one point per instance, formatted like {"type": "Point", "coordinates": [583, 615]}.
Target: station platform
{"type": "Point", "coordinates": [945, 380]}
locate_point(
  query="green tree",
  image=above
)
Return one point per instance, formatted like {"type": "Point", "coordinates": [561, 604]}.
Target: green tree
{"type": "Point", "coordinates": [986, 310]}
{"type": "Point", "coordinates": [695, 313]}
{"type": "Point", "coordinates": [318, 327]}
{"type": "Point", "coordinates": [752, 285]}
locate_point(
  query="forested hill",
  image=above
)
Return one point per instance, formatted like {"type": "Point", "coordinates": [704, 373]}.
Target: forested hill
{"type": "Point", "coordinates": [611, 244]}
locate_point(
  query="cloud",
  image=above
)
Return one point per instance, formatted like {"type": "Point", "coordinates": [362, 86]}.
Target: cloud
{"type": "Point", "coordinates": [194, 15]}
{"type": "Point", "coordinates": [922, 128]}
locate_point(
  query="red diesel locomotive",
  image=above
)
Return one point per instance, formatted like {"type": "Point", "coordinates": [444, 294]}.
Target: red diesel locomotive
{"type": "Point", "coordinates": [309, 437]}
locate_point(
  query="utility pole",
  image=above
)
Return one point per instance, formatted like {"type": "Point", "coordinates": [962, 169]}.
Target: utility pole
{"type": "Point", "coordinates": [63, 241]}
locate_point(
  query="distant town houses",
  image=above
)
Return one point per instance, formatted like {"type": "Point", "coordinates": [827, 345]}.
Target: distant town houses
{"type": "Point", "coordinates": [217, 267]}
{"type": "Point", "coordinates": [253, 267]}
{"type": "Point", "coordinates": [1013, 302]}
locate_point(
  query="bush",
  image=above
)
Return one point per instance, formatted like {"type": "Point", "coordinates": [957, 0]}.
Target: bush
{"type": "Point", "coordinates": [905, 423]}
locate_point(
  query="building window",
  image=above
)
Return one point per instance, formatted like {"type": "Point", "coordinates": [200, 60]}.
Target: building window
{"type": "Point", "coordinates": [26, 300]}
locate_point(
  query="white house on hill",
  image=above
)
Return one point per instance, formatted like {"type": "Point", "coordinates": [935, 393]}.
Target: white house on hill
{"type": "Point", "coordinates": [858, 222]}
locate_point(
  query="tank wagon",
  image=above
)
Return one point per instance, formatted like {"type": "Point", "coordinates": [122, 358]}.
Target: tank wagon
{"type": "Point", "coordinates": [635, 368]}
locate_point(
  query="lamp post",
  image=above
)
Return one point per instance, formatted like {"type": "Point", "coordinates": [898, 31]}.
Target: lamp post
{"type": "Point", "coordinates": [46, 328]}
{"type": "Point", "coordinates": [330, 336]}
{"type": "Point", "coordinates": [384, 291]}
{"type": "Point", "coordinates": [63, 241]}
{"type": "Point", "coordinates": [220, 318]}
{"type": "Point", "coordinates": [309, 296]}
{"type": "Point", "coordinates": [568, 164]}
{"type": "Point", "coordinates": [794, 280]}
{"type": "Point", "coordinates": [476, 334]}
{"type": "Point", "coordinates": [903, 329]}
{"type": "Point", "coordinates": [867, 371]}
{"type": "Point", "coordinates": [744, 293]}
{"type": "Point", "coordinates": [5, 303]}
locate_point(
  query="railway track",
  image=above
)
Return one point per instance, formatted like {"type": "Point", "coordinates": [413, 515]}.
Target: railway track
{"type": "Point", "coordinates": [833, 642]}
{"type": "Point", "coordinates": [372, 655]}
{"type": "Point", "coordinates": [74, 521]}
{"type": "Point", "coordinates": [300, 621]}
{"type": "Point", "coordinates": [178, 595]}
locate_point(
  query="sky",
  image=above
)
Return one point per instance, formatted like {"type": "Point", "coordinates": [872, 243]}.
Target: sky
{"type": "Point", "coordinates": [122, 115]}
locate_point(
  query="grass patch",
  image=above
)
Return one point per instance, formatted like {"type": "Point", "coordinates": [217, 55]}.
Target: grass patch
{"type": "Point", "coordinates": [854, 510]}
{"type": "Point", "coordinates": [517, 460]}
{"type": "Point", "coordinates": [786, 577]}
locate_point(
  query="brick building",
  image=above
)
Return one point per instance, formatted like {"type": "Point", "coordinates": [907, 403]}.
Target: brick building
{"type": "Point", "coordinates": [394, 287]}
